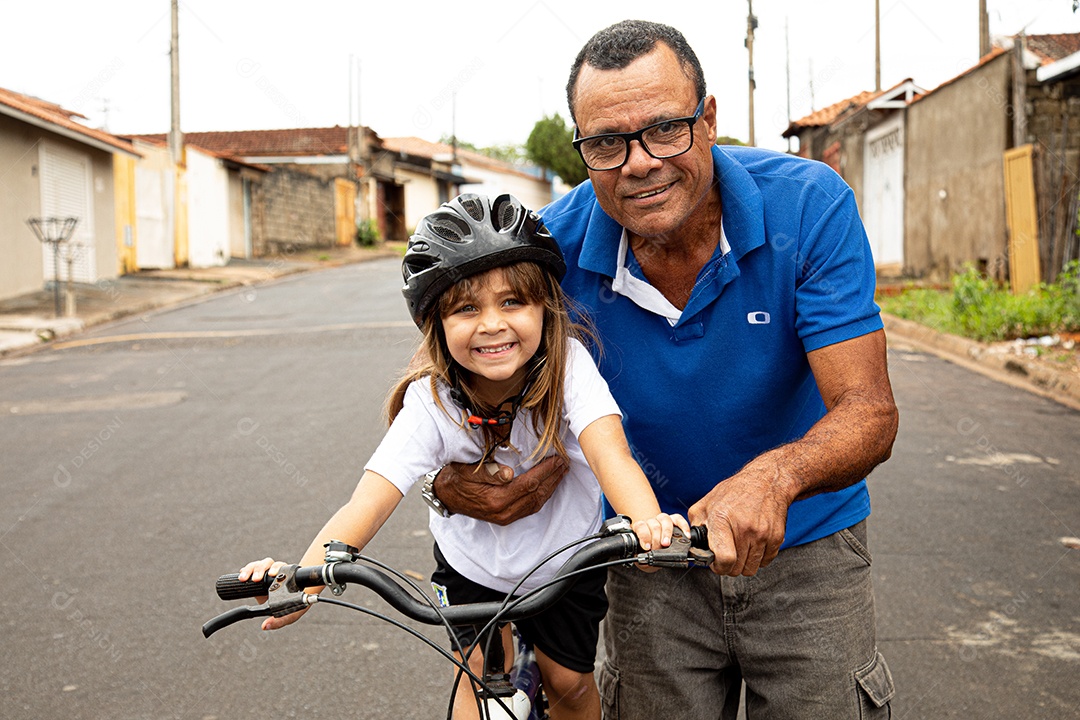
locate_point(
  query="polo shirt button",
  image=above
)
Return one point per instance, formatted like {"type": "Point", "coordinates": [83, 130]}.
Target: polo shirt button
{"type": "Point", "coordinates": [688, 331]}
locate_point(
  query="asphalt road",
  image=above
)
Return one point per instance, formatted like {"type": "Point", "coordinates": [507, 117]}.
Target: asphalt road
{"type": "Point", "coordinates": [150, 456]}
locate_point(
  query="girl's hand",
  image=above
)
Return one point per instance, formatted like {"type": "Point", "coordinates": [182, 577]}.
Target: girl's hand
{"type": "Point", "coordinates": [255, 571]}
{"type": "Point", "coordinates": [656, 532]}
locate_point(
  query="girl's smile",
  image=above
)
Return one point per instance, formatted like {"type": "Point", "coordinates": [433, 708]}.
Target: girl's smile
{"type": "Point", "coordinates": [493, 334]}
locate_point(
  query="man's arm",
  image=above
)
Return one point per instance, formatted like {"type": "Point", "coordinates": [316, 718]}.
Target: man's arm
{"type": "Point", "coordinates": [501, 498]}
{"type": "Point", "coordinates": [747, 513]}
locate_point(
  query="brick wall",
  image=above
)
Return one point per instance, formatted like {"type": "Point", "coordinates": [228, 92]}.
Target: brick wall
{"type": "Point", "coordinates": [1053, 126]}
{"type": "Point", "coordinates": [297, 211]}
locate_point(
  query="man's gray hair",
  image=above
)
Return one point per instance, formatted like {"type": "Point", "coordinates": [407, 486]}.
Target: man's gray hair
{"type": "Point", "coordinates": [615, 47]}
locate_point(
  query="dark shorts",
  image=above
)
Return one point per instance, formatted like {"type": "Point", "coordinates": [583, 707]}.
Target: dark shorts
{"type": "Point", "coordinates": [567, 632]}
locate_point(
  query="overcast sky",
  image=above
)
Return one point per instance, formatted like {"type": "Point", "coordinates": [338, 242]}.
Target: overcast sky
{"type": "Point", "coordinates": [502, 65]}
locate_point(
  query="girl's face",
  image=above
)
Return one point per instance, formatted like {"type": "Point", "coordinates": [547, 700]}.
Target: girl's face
{"type": "Point", "coordinates": [493, 333]}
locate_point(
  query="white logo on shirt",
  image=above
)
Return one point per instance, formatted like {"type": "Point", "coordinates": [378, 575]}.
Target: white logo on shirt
{"type": "Point", "coordinates": [758, 318]}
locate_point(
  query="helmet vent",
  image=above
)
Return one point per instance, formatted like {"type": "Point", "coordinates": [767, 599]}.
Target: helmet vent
{"type": "Point", "coordinates": [473, 205]}
{"type": "Point", "coordinates": [507, 213]}
{"type": "Point", "coordinates": [450, 228]}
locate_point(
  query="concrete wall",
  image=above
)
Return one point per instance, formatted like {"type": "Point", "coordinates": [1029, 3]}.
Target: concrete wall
{"type": "Point", "coordinates": [852, 164]}
{"type": "Point", "coordinates": [20, 198]}
{"type": "Point", "coordinates": [955, 202]}
{"type": "Point", "coordinates": [237, 233]}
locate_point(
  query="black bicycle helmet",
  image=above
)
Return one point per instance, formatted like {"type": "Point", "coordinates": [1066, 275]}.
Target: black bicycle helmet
{"type": "Point", "coordinates": [470, 235]}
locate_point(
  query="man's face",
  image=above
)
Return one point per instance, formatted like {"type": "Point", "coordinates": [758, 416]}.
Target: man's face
{"type": "Point", "coordinates": [649, 197]}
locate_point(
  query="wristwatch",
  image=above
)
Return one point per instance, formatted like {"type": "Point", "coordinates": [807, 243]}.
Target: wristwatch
{"type": "Point", "coordinates": [427, 491]}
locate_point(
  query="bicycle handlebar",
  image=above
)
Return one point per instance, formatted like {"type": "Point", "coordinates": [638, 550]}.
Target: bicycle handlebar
{"type": "Point", "coordinates": [617, 542]}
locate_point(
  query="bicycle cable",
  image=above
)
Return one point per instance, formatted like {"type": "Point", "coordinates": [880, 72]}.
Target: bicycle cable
{"type": "Point", "coordinates": [462, 667]}
{"type": "Point", "coordinates": [489, 628]}
{"type": "Point", "coordinates": [450, 631]}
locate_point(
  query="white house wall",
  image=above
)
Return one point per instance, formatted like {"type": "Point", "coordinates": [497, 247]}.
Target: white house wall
{"type": "Point", "coordinates": [208, 210]}
{"type": "Point", "coordinates": [421, 196]}
{"type": "Point", "coordinates": [533, 193]}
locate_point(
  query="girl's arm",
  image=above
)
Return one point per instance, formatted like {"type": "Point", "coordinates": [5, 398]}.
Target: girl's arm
{"type": "Point", "coordinates": [624, 484]}
{"type": "Point", "coordinates": [355, 523]}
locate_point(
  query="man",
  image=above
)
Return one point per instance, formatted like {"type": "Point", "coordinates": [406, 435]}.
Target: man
{"type": "Point", "coordinates": [732, 289]}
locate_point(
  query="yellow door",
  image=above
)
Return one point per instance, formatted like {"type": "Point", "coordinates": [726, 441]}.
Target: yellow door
{"type": "Point", "coordinates": [1022, 219]}
{"type": "Point", "coordinates": [124, 184]}
{"type": "Point", "coordinates": [345, 211]}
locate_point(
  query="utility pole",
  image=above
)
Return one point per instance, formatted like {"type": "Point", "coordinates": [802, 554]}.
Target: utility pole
{"type": "Point", "coordinates": [877, 45]}
{"type": "Point", "coordinates": [453, 127]}
{"type": "Point", "coordinates": [181, 247]}
{"type": "Point", "coordinates": [176, 137]}
{"type": "Point", "coordinates": [984, 30]}
{"type": "Point", "coordinates": [751, 25]}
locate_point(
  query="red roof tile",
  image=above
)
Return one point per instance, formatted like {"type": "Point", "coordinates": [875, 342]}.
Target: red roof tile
{"type": "Point", "coordinates": [827, 115]}
{"type": "Point", "coordinates": [277, 143]}
{"type": "Point", "coordinates": [1051, 48]}
{"type": "Point", "coordinates": [424, 148]}
{"type": "Point", "coordinates": [55, 115]}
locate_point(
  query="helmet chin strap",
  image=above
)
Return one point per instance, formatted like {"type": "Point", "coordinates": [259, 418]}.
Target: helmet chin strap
{"type": "Point", "coordinates": [503, 416]}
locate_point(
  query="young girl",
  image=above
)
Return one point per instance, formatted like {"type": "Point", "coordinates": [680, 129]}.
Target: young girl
{"type": "Point", "coordinates": [506, 380]}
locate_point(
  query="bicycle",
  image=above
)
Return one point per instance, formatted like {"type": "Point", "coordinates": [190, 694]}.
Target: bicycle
{"type": "Point", "coordinates": [514, 695]}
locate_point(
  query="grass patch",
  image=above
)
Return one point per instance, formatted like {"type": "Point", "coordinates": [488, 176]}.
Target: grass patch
{"type": "Point", "coordinates": [979, 308]}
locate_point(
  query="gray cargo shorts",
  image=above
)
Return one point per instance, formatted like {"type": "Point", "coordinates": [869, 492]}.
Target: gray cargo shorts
{"type": "Point", "coordinates": [800, 634]}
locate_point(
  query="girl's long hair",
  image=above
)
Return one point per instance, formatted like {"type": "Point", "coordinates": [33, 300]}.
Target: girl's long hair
{"type": "Point", "coordinates": [544, 396]}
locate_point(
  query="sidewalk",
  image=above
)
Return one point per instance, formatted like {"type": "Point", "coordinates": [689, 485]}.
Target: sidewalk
{"type": "Point", "coordinates": [29, 321]}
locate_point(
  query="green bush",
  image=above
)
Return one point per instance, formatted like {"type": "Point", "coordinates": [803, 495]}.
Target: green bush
{"type": "Point", "coordinates": [367, 233]}
{"type": "Point", "coordinates": [979, 308]}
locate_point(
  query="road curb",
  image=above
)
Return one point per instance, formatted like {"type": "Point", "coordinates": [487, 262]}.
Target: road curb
{"type": "Point", "coordinates": [1060, 386]}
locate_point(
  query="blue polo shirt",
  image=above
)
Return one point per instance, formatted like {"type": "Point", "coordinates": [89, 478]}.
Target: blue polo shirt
{"type": "Point", "coordinates": [707, 392]}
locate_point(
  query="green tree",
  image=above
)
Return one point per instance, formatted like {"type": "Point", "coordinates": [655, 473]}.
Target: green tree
{"type": "Point", "coordinates": [510, 153]}
{"type": "Point", "coordinates": [728, 140]}
{"type": "Point", "coordinates": [549, 146]}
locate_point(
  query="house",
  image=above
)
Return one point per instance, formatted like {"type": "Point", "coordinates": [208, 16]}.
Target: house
{"type": "Point", "coordinates": [929, 167]}
{"type": "Point", "coordinates": [862, 139]}
{"type": "Point", "coordinates": [55, 166]}
{"type": "Point", "coordinates": [316, 179]}
{"type": "Point", "coordinates": [220, 213]}
{"type": "Point", "coordinates": [473, 171]}
{"type": "Point", "coordinates": [424, 175]}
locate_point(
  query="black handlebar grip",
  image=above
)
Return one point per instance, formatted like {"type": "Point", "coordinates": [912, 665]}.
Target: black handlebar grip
{"type": "Point", "coordinates": [230, 587]}
{"type": "Point", "coordinates": [699, 537]}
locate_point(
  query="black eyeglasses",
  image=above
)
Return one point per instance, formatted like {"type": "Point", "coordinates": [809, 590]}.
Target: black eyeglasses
{"type": "Point", "coordinates": [662, 140]}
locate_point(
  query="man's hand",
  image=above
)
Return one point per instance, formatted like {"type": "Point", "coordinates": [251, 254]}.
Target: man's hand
{"type": "Point", "coordinates": [500, 498]}
{"type": "Point", "coordinates": [746, 516]}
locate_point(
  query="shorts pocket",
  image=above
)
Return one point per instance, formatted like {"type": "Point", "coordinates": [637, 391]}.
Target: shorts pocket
{"type": "Point", "coordinates": [609, 690]}
{"type": "Point", "coordinates": [874, 684]}
{"type": "Point", "coordinates": [857, 545]}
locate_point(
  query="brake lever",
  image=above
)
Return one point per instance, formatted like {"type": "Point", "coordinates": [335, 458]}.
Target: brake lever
{"type": "Point", "coordinates": [679, 554]}
{"type": "Point", "coordinates": [284, 598]}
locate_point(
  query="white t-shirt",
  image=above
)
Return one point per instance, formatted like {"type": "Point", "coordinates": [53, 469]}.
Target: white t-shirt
{"type": "Point", "coordinates": [423, 436]}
